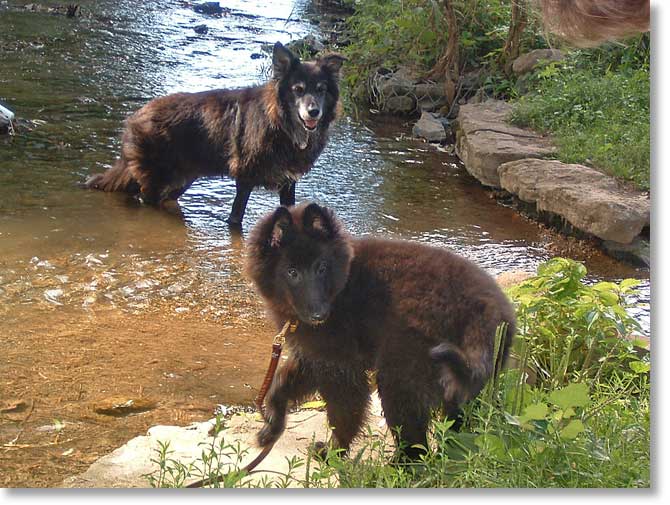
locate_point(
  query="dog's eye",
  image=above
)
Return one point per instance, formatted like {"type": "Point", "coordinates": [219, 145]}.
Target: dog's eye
{"type": "Point", "coordinates": [321, 87]}
{"type": "Point", "coordinates": [322, 269]}
{"type": "Point", "coordinates": [293, 274]}
{"type": "Point", "coordinates": [299, 89]}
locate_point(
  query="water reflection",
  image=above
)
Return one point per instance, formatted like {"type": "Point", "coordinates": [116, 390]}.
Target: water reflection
{"type": "Point", "coordinates": [62, 247]}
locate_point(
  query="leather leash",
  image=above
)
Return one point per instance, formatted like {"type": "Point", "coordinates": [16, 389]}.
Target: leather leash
{"type": "Point", "coordinates": [277, 344]}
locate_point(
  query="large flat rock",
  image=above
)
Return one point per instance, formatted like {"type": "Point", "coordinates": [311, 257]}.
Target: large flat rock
{"type": "Point", "coordinates": [589, 200]}
{"type": "Point", "coordinates": [129, 465]}
{"type": "Point", "coordinates": [484, 140]}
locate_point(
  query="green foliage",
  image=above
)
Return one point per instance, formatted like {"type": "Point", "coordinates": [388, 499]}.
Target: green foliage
{"type": "Point", "coordinates": [572, 330]}
{"type": "Point", "coordinates": [414, 33]}
{"type": "Point", "coordinates": [596, 105]}
{"type": "Point", "coordinates": [584, 422]}
{"type": "Point", "coordinates": [382, 32]}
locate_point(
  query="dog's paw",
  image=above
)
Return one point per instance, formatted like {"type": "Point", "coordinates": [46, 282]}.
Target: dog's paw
{"type": "Point", "coordinates": [319, 450]}
{"type": "Point", "coordinates": [269, 434]}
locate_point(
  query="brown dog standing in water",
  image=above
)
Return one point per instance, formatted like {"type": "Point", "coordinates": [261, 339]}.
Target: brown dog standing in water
{"type": "Point", "coordinates": [423, 317]}
{"type": "Point", "coordinates": [267, 135]}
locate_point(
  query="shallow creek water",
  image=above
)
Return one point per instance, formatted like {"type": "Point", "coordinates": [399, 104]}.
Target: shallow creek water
{"type": "Point", "coordinates": [103, 300]}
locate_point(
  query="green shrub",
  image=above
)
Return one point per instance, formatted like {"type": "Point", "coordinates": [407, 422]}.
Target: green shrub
{"type": "Point", "coordinates": [572, 330]}
{"type": "Point", "coordinates": [414, 33]}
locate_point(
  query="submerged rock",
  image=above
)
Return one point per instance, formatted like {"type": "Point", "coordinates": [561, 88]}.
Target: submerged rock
{"type": "Point", "coordinates": [122, 406]}
{"type": "Point", "coordinates": [638, 252]}
{"type": "Point", "coordinates": [201, 29]}
{"type": "Point", "coordinates": [429, 128]}
{"type": "Point", "coordinates": [208, 8]}
{"type": "Point", "coordinates": [513, 277]}
{"type": "Point", "coordinates": [589, 200]}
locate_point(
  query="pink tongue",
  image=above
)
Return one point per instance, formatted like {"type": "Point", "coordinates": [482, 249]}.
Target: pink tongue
{"type": "Point", "coordinates": [311, 123]}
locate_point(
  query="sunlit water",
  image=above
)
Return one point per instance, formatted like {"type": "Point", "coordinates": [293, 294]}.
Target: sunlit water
{"type": "Point", "coordinates": [68, 249]}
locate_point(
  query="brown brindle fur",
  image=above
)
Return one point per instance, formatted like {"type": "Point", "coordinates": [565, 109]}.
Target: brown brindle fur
{"type": "Point", "coordinates": [590, 22]}
{"type": "Point", "coordinates": [423, 317]}
{"type": "Point", "coordinates": [254, 135]}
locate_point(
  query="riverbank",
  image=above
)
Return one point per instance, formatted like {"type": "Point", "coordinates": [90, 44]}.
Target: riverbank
{"type": "Point", "coordinates": [580, 199]}
{"type": "Point", "coordinates": [589, 109]}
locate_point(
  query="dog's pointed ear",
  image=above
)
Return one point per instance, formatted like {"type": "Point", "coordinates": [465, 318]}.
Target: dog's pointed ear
{"type": "Point", "coordinates": [282, 225]}
{"type": "Point", "coordinates": [332, 62]}
{"type": "Point", "coordinates": [319, 221]}
{"type": "Point", "coordinates": [282, 61]}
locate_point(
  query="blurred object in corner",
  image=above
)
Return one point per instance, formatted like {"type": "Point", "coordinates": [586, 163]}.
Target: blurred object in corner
{"type": "Point", "coordinates": [587, 23]}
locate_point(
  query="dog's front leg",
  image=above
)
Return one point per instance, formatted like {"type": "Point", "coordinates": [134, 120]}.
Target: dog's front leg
{"type": "Point", "coordinates": [287, 194]}
{"type": "Point", "coordinates": [292, 382]}
{"type": "Point", "coordinates": [243, 190]}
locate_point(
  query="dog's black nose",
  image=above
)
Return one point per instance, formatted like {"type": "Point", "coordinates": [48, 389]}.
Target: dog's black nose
{"type": "Point", "coordinates": [314, 112]}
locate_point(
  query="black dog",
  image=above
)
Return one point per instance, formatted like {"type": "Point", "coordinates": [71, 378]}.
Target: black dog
{"type": "Point", "coordinates": [423, 317]}
{"type": "Point", "coordinates": [267, 135]}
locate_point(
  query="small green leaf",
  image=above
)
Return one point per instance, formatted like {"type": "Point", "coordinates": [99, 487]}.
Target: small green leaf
{"type": "Point", "coordinates": [491, 444]}
{"type": "Point", "coordinates": [640, 367]}
{"type": "Point", "coordinates": [538, 446]}
{"type": "Point", "coordinates": [629, 283]}
{"type": "Point", "coordinates": [534, 412]}
{"type": "Point", "coordinates": [573, 428]}
{"type": "Point", "coordinates": [573, 395]}
{"type": "Point", "coordinates": [608, 298]}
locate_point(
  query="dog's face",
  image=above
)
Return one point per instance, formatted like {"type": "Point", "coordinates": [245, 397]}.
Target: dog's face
{"type": "Point", "coordinates": [299, 260]}
{"type": "Point", "coordinates": [308, 89]}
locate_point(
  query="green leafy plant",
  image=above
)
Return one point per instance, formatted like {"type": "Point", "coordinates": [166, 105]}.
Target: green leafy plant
{"type": "Point", "coordinates": [570, 329]}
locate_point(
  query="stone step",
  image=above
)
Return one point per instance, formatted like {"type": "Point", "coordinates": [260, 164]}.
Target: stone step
{"type": "Point", "coordinates": [484, 140]}
{"type": "Point", "coordinates": [589, 200]}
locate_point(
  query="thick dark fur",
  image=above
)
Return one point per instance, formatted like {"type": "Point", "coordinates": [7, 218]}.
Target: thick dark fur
{"type": "Point", "coordinates": [423, 317]}
{"type": "Point", "coordinates": [267, 135]}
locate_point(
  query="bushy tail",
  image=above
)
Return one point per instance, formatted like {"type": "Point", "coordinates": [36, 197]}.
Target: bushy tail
{"type": "Point", "coordinates": [117, 178]}
{"type": "Point", "coordinates": [466, 370]}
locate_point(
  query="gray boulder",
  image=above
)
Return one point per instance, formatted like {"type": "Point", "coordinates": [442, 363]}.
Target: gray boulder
{"type": "Point", "coordinates": [484, 140]}
{"type": "Point", "coordinates": [390, 84]}
{"type": "Point", "coordinates": [129, 465]}
{"type": "Point", "coordinates": [429, 128]}
{"type": "Point", "coordinates": [403, 104]}
{"type": "Point", "coordinates": [430, 96]}
{"type": "Point", "coordinates": [589, 200]}
{"type": "Point", "coordinates": [530, 61]}
{"type": "Point", "coordinates": [309, 45]}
